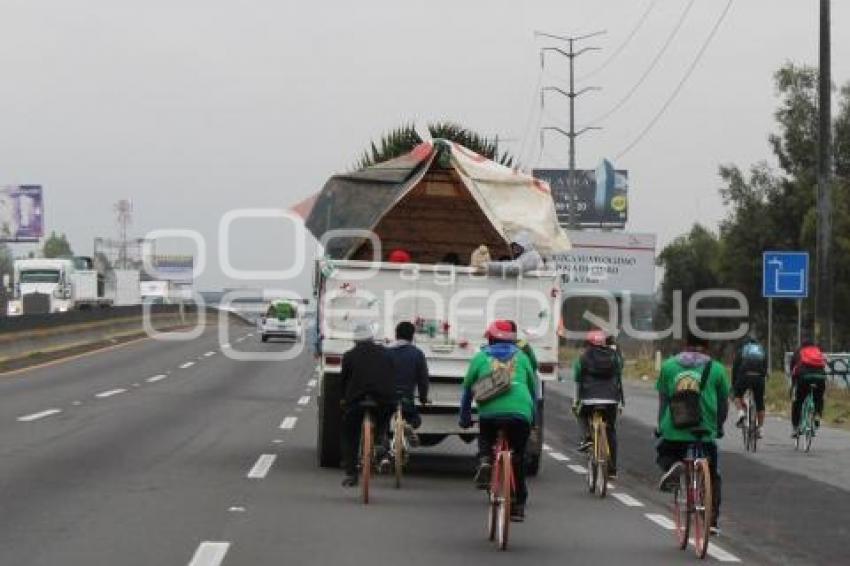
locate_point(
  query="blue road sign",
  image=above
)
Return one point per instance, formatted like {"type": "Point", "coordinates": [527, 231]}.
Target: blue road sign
{"type": "Point", "coordinates": [785, 275]}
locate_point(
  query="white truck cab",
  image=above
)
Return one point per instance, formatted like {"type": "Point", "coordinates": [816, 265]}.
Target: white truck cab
{"type": "Point", "coordinates": [42, 286]}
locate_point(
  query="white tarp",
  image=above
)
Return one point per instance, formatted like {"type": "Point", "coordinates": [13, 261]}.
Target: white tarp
{"type": "Point", "coordinates": [513, 201]}
{"type": "Point", "coordinates": [617, 262]}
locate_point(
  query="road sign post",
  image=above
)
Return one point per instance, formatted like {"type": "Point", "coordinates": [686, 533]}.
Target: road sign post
{"type": "Point", "coordinates": [785, 275]}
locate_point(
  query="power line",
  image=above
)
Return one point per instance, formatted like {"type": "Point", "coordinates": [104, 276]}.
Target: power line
{"type": "Point", "coordinates": [682, 82]}
{"type": "Point", "coordinates": [651, 67]}
{"type": "Point", "coordinates": [620, 48]}
{"type": "Point", "coordinates": [526, 132]}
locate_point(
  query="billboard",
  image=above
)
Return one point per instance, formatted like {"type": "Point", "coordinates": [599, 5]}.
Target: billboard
{"type": "Point", "coordinates": [597, 197]}
{"type": "Point", "coordinates": [617, 262]}
{"type": "Point", "coordinates": [176, 268]}
{"type": "Point", "coordinates": [21, 213]}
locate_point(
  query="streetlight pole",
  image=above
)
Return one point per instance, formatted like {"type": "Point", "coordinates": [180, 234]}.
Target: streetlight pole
{"type": "Point", "coordinates": [824, 297]}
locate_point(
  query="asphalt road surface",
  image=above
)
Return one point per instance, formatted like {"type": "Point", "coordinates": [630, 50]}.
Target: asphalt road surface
{"type": "Point", "coordinates": [173, 453]}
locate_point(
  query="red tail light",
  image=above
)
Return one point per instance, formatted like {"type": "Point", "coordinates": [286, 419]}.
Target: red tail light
{"type": "Point", "coordinates": [333, 360]}
{"type": "Point", "coordinates": [547, 368]}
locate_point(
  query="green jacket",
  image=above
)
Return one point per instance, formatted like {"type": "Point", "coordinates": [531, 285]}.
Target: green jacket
{"type": "Point", "coordinates": [519, 400]}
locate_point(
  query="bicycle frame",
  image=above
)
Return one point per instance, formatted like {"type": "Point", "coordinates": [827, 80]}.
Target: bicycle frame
{"type": "Point", "coordinates": [500, 499]}
{"type": "Point", "coordinates": [698, 507]}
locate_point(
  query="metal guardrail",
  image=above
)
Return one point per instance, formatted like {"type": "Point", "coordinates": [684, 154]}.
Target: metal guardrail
{"type": "Point", "coordinates": [40, 321]}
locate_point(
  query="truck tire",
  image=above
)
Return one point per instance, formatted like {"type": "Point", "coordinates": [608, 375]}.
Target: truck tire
{"type": "Point", "coordinates": [534, 450]}
{"type": "Point", "coordinates": [328, 448]}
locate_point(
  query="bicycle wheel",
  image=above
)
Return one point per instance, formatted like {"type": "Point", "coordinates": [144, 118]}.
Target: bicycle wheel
{"type": "Point", "coordinates": [752, 426]}
{"type": "Point", "coordinates": [504, 516]}
{"type": "Point", "coordinates": [601, 447]}
{"type": "Point", "coordinates": [681, 513]}
{"type": "Point", "coordinates": [398, 448]}
{"type": "Point", "coordinates": [702, 506]}
{"type": "Point", "coordinates": [807, 422]}
{"type": "Point", "coordinates": [366, 456]}
{"type": "Point", "coordinates": [745, 432]}
{"type": "Point", "coordinates": [493, 507]}
{"type": "Point", "coordinates": [591, 470]}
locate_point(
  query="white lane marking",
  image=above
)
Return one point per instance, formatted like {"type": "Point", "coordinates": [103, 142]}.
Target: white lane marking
{"type": "Point", "coordinates": [262, 466]}
{"type": "Point", "coordinates": [289, 423]}
{"type": "Point", "coordinates": [210, 553]}
{"type": "Point", "coordinates": [187, 365]}
{"type": "Point", "coordinates": [721, 555]}
{"type": "Point", "coordinates": [304, 400]}
{"type": "Point", "coordinates": [110, 393]}
{"type": "Point", "coordinates": [237, 509]}
{"type": "Point", "coordinates": [77, 403]}
{"type": "Point", "coordinates": [577, 469]}
{"type": "Point", "coordinates": [156, 378]}
{"type": "Point", "coordinates": [225, 345]}
{"type": "Point", "coordinates": [313, 383]}
{"type": "Point", "coordinates": [277, 441]}
{"type": "Point", "coordinates": [627, 500]}
{"type": "Point", "coordinates": [559, 457]}
{"type": "Point", "coordinates": [209, 354]}
{"type": "Point", "coordinates": [39, 415]}
{"type": "Point", "coordinates": [661, 520]}
{"type": "Point", "coordinates": [546, 447]}
{"type": "Point", "coordinates": [240, 339]}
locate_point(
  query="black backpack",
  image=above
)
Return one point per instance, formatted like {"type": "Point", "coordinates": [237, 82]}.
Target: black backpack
{"type": "Point", "coordinates": [600, 363]}
{"type": "Point", "coordinates": [686, 402]}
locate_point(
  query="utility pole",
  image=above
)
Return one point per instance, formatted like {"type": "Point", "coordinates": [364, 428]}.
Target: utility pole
{"type": "Point", "coordinates": [571, 54]}
{"type": "Point", "coordinates": [824, 297]}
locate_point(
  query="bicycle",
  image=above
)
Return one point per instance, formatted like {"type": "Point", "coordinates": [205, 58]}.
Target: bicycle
{"type": "Point", "coordinates": [599, 454]}
{"type": "Point", "coordinates": [692, 497]}
{"type": "Point", "coordinates": [806, 427]}
{"type": "Point", "coordinates": [749, 429]}
{"type": "Point", "coordinates": [500, 493]}
{"type": "Point", "coordinates": [399, 444]}
{"type": "Point", "coordinates": [367, 447]}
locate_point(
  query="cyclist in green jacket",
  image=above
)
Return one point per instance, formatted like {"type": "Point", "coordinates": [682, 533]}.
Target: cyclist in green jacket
{"type": "Point", "coordinates": [512, 411]}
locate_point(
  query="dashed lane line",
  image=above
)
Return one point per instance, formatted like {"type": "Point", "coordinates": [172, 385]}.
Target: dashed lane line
{"type": "Point", "coordinates": [546, 447]}
{"type": "Point", "coordinates": [39, 415]}
{"type": "Point", "coordinates": [714, 551]}
{"type": "Point", "coordinates": [627, 500]}
{"type": "Point", "coordinates": [312, 383]}
{"type": "Point", "coordinates": [304, 400]}
{"type": "Point", "coordinates": [262, 466]}
{"type": "Point", "coordinates": [577, 468]}
{"type": "Point", "coordinates": [209, 354]}
{"type": "Point", "coordinates": [110, 393]}
{"type": "Point", "coordinates": [155, 378]}
{"type": "Point", "coordinates": [210, 553]}
{"type": "Point", "coordinates": [289, 423]}
{"type": "Point", "coordinates": [661, 520]}
{"type": "Point", "coordinates": [559, 456]}
{"type": "Point", "coordinates": [187, 365]}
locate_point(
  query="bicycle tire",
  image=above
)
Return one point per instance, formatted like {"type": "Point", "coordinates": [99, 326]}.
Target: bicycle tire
{"type": "Point", "coordinates": [601, 461]}
{"type": "Point", "coordinates": [752, 425]}
{"type": "Point", "coordinates": [366, 461]}
{"type": "Point", "coordinates": [702, 507]}
{"type": "Point", "coordinates": [504, 518]}
{"type": "Point", "coordinates": [808, 421]}
{"type": "Point", "coordinates": [681, 512]}
{"type": "Point", "coordinates": [492, 511]}
{"type": "Point", "coordinates": [398, 449]}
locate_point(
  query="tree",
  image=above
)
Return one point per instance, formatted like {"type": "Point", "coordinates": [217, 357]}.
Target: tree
{"type": "Point", "coordinates": [57, 246]}
{"type": "Point", "coordinates": [690, 264]}
{"type": "Point", "coordinates": [403, 139]}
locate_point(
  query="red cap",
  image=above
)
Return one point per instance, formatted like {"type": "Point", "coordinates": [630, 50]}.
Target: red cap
{"type": "Point", "coordinates": [500, 330]}
{"type": "Point", "coordinates": [595, 338]}
{"type": "Point", "coordinates": [399, 256]}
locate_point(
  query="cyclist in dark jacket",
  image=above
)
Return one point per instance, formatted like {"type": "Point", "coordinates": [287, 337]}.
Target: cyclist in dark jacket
{"type": "Point", "coordinates": [598, 374]}
{"type": "Point", "coordinates": [411, 372]}
{"type": "Point", "coordinates": [367, 372]}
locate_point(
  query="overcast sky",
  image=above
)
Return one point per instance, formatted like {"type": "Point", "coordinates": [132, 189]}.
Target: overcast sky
{"type": "Point", "coordinates": [193, 108]}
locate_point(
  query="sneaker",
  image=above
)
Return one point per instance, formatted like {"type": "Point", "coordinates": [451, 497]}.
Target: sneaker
{"type": "Point", "coordinates": [795, 434]}
{"type": "Point", "coordinates": [670, 480]}
{"type": "Point", "coordinates": [518, 512]}
{"type": "Point", "coordinates": [759, 434]}
{"type": "Point", "coordinates": [482, 475]}
{"type": "Point", "coordinates": [412, 437]}
{"type": "Point", "coordinates": [714, 530]}
{"type": "Point", "coordinates": [349, 481]}
{"type": "Point", "coordinates": [385, 465]}
{"type": "Point", "coordinates": [585, 446]}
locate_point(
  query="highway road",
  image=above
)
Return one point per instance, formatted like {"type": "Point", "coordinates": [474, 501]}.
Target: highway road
{"type": "Point", "coordinates": [172, 453]}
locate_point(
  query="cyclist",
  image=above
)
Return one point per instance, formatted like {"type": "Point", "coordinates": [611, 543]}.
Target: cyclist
{"type": "Point", "coordinates": [411, 373]}
{"type": "Point", "coordinates": [512, 411]}
{"type": "Point", "coordinates": [681, 373]}
{"type": "Point", "coordinates": [598, 374]}
{"type": "Point", "coordinates": [367, 371]}
{"type": "Point", "coordinates": [808, 368]}
{"type": "Point", "coordinates": [749, 370]}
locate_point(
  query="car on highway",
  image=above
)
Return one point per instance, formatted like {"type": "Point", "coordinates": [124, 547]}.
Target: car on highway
{"type": "Point", "coordinates": [282, 319]}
